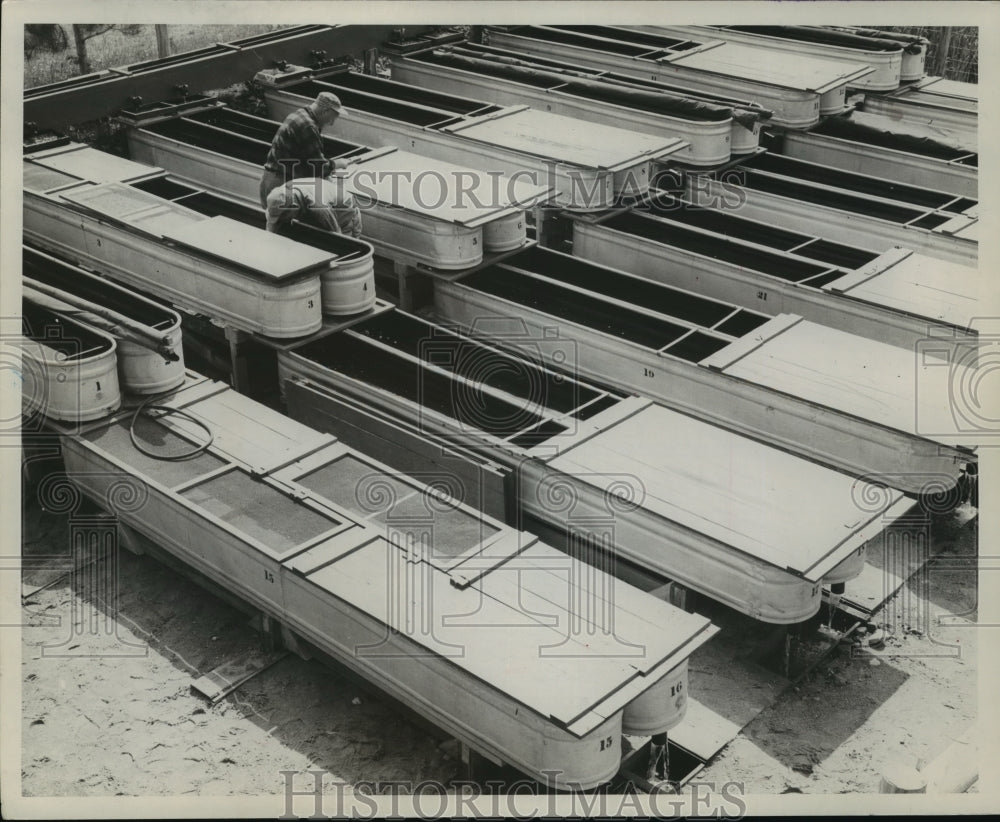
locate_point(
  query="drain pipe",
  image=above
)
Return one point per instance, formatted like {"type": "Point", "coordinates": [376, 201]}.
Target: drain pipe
{"type": "Point", "coordinates": [106, 319]}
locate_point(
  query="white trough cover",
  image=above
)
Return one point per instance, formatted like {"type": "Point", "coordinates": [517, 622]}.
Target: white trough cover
{"type": "Point", "coordinates": [86, 163]}
{"type": "Point", "coordinates": [564, 139]}
{"type": "Point", "coordinates": [947, 88]}
{"type": "Point", "coordinates": [238, 243]}
{"type": "Point", "coordinates": [788, 86]}
{"type": "Point", "coordinates": [765, 66]}
{"type": "Point", "coordinates": [228, 241]}
{"type": "Point", "coordinates": [507, 664]}
{"type": "Point", "coordinates": [883, 384]}
{"type": "Point", "coordinates": [764, 502]}
{"type": "Point", "coordinates": [918, 285]}
{"type": "Point", "coordinates": [887, 63]}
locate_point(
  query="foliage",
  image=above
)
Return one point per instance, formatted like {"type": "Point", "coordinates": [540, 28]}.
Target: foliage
{"type": "Point", "coordinates": [247, 97]}
{"type": "Point", "coordinates": [962, 58]}
{"type": "Point", "coordinates": [121, 45]}
{"type": "Point", "coordinates": [39, 37]}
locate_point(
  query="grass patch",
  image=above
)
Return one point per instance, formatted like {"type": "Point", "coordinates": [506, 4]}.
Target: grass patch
{"type": "Point", "coordinates": [113, 49]}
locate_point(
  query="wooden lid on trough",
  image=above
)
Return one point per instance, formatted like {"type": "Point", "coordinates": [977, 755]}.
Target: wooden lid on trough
{"type": "Point", "coordinates": [234, 243]}
{"type": "Point", "coordinates": [94, 165]}
{"type": "Point", "coordinates": [565, 139]}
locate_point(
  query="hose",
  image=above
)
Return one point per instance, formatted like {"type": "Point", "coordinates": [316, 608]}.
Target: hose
{"type": "Point", "coordinates": [166, 409]}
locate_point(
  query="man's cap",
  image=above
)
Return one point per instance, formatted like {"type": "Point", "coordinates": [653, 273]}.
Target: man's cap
{"type": "Point", "coordinates": [328, 101]}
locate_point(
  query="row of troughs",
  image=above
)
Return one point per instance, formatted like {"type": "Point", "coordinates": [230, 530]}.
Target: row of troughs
{"type": "Point", "coordinates": [734, 381]}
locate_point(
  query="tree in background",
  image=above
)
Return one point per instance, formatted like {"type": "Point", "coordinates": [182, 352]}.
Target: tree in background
{"type": "Point", "coordinates": [39, 37]}
{"type": "Point", "coordinates": [43, 37]}
{"type": "Point", "coordinates": [82, 32]}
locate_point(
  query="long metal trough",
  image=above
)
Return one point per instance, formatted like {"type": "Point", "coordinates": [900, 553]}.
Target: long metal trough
{"type": "Point", "coordinates": [838, 205]}
{"type": "Point", "coordinates": [591, 465]}
{"type": "Point", "coordinates": [896, 296]}
{"type": "Point", "coordinates": [885, 56]}
{"type": "Point", "coordinates": [438, 605]}
{"type": "Point", "coordinates": [797, 89]}
{"type": "Point", "coordinates": [462, 70]}
{"type": "Point", "coordinates": [590, 166]}
{"type": "Point", "coordinates": [872, 410]}
{"type": "Point", "coordinates": [567, 84]}
{"type": "Point", "coordinates": [203, 260]}
{"type": "Point", "coordinates": [432, 212]}
{"type": "Point", "coordinates": [955, 115]}
{"type": "Point", "coordinates": [870, 144]}
{"type": "Point", "coordinates": [879, 188]}
{"type": "Point", "coordinates": [167, 249]}
{"type": "Point", "coordinates": [914, 48]}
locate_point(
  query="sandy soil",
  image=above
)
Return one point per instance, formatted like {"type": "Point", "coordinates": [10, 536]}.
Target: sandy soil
{"type": "Point", "coordinates": [115, 714]}
{"type": "Point", "coordinates": [100, 724]}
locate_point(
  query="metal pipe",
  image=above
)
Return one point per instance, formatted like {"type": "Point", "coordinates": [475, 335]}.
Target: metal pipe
{"type": "Point", "coordinates": [106, 319]}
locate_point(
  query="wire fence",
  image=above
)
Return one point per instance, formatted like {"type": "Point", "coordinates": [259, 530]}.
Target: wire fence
{"type": "Point", "coordinates": [953, 52]}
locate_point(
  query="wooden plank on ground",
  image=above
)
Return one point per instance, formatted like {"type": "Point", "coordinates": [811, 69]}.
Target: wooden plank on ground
{"type": "Point", "coordinates": [230, 675]}
{"type": "Point", "coordinates": [727, 690]}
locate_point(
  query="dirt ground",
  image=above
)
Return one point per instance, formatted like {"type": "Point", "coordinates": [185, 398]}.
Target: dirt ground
{"type": "Point", "coordinates": [108, 708]}
{"type": "Point", "coordinates": [862, 710]}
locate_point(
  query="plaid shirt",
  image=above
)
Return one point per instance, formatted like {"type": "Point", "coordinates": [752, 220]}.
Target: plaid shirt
{"type": "Point", "coordinates": [298, 141]}
{"type": "Point", "coordinates": [326, 203]}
